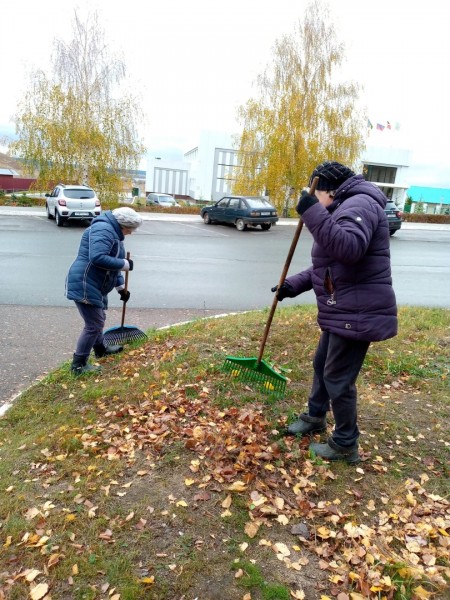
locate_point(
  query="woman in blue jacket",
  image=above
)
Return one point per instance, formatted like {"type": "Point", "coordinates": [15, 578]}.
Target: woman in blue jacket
{"type": "Point", "coordinates": [95, 272]}
{"type": "Point", "coordinates": [351, 278]}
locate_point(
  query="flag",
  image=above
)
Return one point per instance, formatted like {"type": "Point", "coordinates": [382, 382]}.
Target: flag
{"type": "Point", "coordinates": [369, 124]}
{"type": "Point", "coordinates": [388, 125]}
{"type": "Point", "coordinates": [380, 126]}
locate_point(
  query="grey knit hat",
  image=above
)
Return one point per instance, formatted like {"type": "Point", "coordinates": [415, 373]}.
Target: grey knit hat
{"type": "Point", "coordinates": [331, 175]}
{"type": "Point", "coordinates": [127, 217]}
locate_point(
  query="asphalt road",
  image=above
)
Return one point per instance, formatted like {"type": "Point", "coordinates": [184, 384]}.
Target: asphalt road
{"type": "Point", "coordinates": [184, 270]}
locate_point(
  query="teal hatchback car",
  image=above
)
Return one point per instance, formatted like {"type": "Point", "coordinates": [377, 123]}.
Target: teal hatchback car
{"type": "Point", "coordinates": [241, 211]}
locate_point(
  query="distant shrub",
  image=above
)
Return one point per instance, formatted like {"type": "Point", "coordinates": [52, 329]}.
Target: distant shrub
{"type": "Point", "coordinates": [425, 218]}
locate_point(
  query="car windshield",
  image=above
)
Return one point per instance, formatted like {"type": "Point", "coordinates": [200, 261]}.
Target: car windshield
{"type": "Point", "coordinates": [78, 194]}
{"type": "Point", "coordinates": [258, 203]}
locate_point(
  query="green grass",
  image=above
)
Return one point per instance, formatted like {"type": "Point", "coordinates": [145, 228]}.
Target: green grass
{"type": "Point", "coordinates": [254, 580]}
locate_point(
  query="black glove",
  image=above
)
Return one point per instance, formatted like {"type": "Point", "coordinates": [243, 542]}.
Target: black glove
{"type": "Point", "coordinates": [285, 291]}
{"type": "Point", "coordinates": [130, 262]}
{"type": "Point", "coordinates": [305, 202]}
{"type": "Point", "coordinates": [124, 295]}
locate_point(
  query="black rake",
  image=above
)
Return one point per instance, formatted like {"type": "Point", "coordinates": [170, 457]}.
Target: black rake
{"type": "Point", "coordinates": [123, 333]}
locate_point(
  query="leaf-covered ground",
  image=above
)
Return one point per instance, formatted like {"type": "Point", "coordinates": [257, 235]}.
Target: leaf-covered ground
{"type": "Point", "coordinates": [166, 478]}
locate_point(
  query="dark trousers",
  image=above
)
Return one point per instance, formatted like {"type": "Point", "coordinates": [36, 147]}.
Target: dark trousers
{"type": "Point", "coordinates": [94, 319]}
{"type": "Point", "coordinates": [337, 364]}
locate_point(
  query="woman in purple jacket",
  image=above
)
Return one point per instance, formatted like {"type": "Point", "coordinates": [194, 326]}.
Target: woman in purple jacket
{"type": "Point", "coordinates": [351, 277]}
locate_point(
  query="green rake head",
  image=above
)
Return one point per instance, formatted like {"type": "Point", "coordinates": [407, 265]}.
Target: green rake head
{"type": "Point", "coordinates": [249, 369]}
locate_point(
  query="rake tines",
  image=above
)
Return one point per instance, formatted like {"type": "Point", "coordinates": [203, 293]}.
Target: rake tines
{"type": "Point", "coordinates": [254, 371]}
{"type": "Point", "coordinates": [123, 334]}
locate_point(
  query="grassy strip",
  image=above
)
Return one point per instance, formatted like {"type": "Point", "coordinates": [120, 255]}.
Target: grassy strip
{"type": "Point", "coordinates": [164, 476]}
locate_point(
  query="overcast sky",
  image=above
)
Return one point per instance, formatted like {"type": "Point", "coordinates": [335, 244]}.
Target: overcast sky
{"type": "Point", "coordinates": [193, 62]}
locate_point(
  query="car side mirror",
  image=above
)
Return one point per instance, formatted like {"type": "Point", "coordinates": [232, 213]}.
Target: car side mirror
{"type": "Point", "coordinates": [48, 195]}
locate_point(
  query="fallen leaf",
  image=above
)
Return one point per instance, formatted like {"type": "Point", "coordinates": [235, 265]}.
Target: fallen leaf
{"type": "Point", "coordinates": [251, 528]}
{"type": "Point", "coordinates": [282, 519]}
{"type": "Point", "coordinates": [31, 574]}
{"type": "Point", "coordinates": [39, 591]}
{"type": "Point", "coordinates": [227, 502]}
{"type": "Point", "coordinates": [237, 486]}
{"type": "Point", "coordinates": [31, 513]}
{"type": "Point", "coordinates": [421, 593]}
{"type": "Point", "coordinates": [281, 548]}
{"type": "Point", "coordinates": [53, 560]}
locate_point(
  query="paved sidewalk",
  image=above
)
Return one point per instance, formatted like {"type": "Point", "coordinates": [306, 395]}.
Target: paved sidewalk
{"type": "Point", "coordinates": [17, 211]}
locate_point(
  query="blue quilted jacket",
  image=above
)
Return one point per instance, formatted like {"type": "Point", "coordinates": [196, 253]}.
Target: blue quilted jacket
{"type": "Point", "coordinates": [96, 269]}
{"type": "Point", "coordinates": [351, 267]}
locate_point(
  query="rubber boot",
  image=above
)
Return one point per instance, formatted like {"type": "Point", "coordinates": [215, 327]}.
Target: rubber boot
{"type": "Point", "coordinates": [102, 350]}
{"type": "Point", "coordinates": [332, 451]}
{"type": "Point", "coordinates": [80, 365]}
{"type": "Point", "coordinates": [306, 425]}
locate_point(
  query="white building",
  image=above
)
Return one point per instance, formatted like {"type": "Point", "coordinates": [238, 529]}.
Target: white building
{"type": "Point", "coordinates": [206, 171]}
{"type": "Point", "coordinates": [387, 167]}
{"type": "Point", "coordinates": [167, 177]}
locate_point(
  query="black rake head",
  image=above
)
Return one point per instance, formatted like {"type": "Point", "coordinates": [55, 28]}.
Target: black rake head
{"type": "Point", "coordinates": [122, 335]}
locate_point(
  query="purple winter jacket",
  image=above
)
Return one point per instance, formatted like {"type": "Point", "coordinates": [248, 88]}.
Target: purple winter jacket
{"type": "Point", "coordinates": [351, 267]}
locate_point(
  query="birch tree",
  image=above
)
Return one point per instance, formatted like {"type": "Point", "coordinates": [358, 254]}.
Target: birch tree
{"type": "Point", "coordinates": [302, 113]}
{"type": "Point", "coordinates": [75, 126]}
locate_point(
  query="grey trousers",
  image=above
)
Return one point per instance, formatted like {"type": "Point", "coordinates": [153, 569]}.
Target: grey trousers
{"type": "Point", "coordinates": [337, 364]}
{"type": "Point", "coordinates": [94, 319]}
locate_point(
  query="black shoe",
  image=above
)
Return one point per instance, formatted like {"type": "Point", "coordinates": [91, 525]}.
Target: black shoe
{"type": "Point", "coordinates": [102, 350]}
{"type": "Point", "coordinates": [332, 451]}
{"type": "Point", "coordinates": [306, 425]}
{"type": "Point", "coordinates": [80, 366]}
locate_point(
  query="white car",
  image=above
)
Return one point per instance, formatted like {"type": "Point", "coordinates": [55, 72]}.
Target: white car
{"type": "Point", "coordinates": [72, 202]}
{"type": "Point", "coordinates": [161, 200]}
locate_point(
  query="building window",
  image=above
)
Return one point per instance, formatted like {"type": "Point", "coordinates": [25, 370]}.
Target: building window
{"type": "Point", "coordinates": [379, 174]}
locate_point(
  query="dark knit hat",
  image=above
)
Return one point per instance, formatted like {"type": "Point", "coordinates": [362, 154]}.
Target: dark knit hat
{"type": "Point", "coordinates": [331, 175]}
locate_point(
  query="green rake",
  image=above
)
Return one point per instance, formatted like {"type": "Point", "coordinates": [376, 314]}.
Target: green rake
{"type": "Point", "coordinates": [256, 370]}
{"type": "Point", "coordinates": [124, 333]}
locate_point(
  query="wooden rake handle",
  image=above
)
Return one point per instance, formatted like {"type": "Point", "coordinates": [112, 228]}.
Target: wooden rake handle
{"type": "Point", "coordinates": [126, 289]}
{"type": "Point", "coordinates": [287, 264]}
